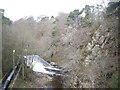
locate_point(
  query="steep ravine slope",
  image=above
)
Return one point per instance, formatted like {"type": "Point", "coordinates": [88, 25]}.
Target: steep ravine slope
{"type": "Point", "coordinates": [90, 56]}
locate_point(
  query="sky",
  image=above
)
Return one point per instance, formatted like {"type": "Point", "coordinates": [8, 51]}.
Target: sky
{"type": "Point", "coordinates": [16, 9]}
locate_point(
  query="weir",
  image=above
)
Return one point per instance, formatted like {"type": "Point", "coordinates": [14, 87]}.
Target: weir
{"type": "Point", "coordinates": [41, 66]}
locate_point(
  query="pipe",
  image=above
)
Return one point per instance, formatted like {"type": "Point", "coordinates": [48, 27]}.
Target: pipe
{"type": "Point", "coordinates": [9, 78]}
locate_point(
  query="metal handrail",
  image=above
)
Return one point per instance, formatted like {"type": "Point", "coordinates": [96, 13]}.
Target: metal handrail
{"type": "Point", "coordinates": [9, 78]}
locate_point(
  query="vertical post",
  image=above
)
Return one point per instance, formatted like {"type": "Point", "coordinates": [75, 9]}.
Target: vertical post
{"type": "Point", "coordinates": [13, 61]}
{"type": "Point", "coordinates": [23, 63]}
{"type": "Point", "coordinates": [23, 68]}
{"type": "Point", "coordinates": [13, 58]}
{"type": "Point", "coordinates": [1, 22]}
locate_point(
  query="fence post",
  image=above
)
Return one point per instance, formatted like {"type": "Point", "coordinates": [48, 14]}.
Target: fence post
{"type": "Point", "coordinates": [23, 71]}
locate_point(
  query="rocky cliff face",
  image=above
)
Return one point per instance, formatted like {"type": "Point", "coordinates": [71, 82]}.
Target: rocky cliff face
{"type": "Point", "coordinates": [90, 56]}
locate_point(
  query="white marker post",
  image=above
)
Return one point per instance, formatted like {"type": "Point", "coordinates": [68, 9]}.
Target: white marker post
{"type": "Point", "coordinates": [13, 59]}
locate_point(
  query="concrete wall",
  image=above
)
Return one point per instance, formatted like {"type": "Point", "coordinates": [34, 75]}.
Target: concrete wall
{"type": "Point", "coordinates": [1, 14]}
